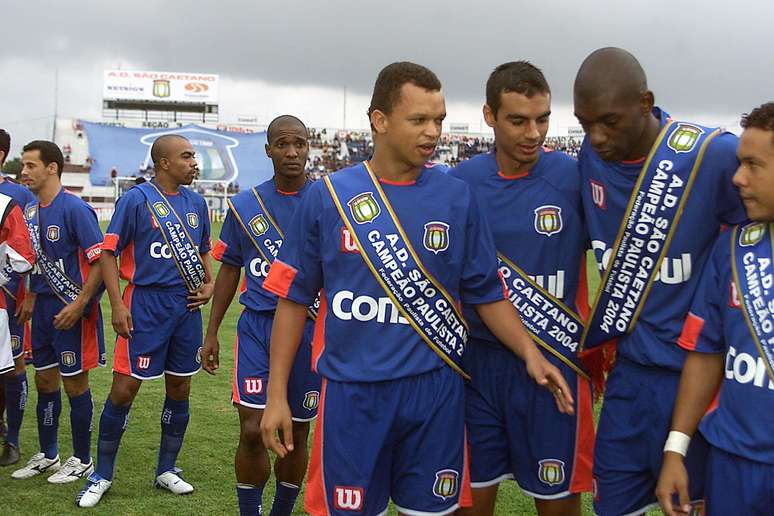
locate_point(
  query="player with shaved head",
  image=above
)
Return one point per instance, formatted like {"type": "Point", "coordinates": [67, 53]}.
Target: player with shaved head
{"type": "Point", "coordinates": [161, 231]}
{"type": "Point", "coordinates": [251, 237]}
{"type": "Point", "coordinates": [656, 192]}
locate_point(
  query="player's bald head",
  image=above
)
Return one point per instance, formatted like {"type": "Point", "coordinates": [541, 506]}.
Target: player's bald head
{"type": "Point", "coordinates": [164, 145]}
{"type": "Point", "coordinates": [613, 72]}
{"type": "Point", "coordinates": [285, 122]}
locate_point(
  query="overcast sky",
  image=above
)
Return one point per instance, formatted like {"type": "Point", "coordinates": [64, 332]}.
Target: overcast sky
{"type": "Point", "coordinates": [708, 60]}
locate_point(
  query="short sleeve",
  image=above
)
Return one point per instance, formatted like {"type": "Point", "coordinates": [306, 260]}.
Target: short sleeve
{"type": "Point", "coordinates": [721, 154]}
{"type": "Point", "coordinates": [204, 215]}
{"type": "Point", "coordinates": [121, 229]}
{"type": "Point", "coordinates": [228, 248]}
{"type": "Point", "coordinates": [480, 281]}
{"type": "Point", "coordinates": [86, 229]}
{"type": "Point", "coordinates": [296, 273]}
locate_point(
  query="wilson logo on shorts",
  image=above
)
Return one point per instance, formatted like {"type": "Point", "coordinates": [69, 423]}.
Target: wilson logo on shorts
{"type": "Point", "coordinates": [193, 220]}
{"type": "Point", "coordinates": [598, 194]}
{"type": "Point", "coordinates": [161, 209]}
{"type": "Point", "coordinates": [436, 237]}
{"type": "Point", "coordinates": [15, 342]}
{"type": "Point", "coordinates": [364, 208]}
{"type": "Point", "coordinates": [684, 138]}
{"type": "Point", "coordinates": [751, 234]}
{"type": "Point", "coordinates": [348, 498]}
{"type": "Point", "coordinates": [253, 385]}
{"type": "Point", "coordinates": [68, 358]}
{"type": "Point", "coordinates": [143, 362]}
{"type": "Point", "coordinates": [551, 471]}
{"type": "Point", "coordinates": [311, 400]}
{"type": "Point", "coordinates": [733, 296]}
{"type": "Point", "coordinates": [548, 220]}
{"type": "Point", "coordinates": [258, 225]}
{"type": "Point", "coordinates": [52, 233]}
{"type": "Point", "coordinates": [348, 244]}
{"type": "Point", "coordinates": [161, 88]}
{"type": "Point", "coordinates": [446, 483]}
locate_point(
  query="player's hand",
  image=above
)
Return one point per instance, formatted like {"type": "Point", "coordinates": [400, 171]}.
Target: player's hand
{"type": "Point", "coordinates": [24, 309]}
{"type": "Point", "coordinates": [69, 315]}
{"type": "Point", "coordinates": [200, 297]}
{"type": "Point", "coordinates": [122, 320]}
{"type": "Point", "coordinates": [673, 481]}
{"type": "Point", "coordinates": [277, 427]}
{"type": "Point", "coordinates": [546, 375]}
{"type": "Point", "coordinates": [209, 354]}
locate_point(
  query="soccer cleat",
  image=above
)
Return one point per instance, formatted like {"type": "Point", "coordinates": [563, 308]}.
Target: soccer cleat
{"type": "Point", "coordinates": [36, 465]}
{"type": "Point", "coordinates": [10, 455]}
{"type": "Point", "coordinates": [92, 492]}
{"type": "Point", "coordinates": [73, 469]}
{"type": "Point", "coordinates": [173, 482]}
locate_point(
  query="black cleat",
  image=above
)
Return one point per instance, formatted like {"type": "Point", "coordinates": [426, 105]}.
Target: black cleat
{"type": "Point", "coordinates": [10, 455]}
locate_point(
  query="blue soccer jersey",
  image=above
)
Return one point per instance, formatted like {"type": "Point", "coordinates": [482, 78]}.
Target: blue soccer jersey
{"type": "Point", "coordinates": [235, 247]}
{"type": "Point", "coordinates": [713, 201]}
{"type": "Point", "coordinates": [70, 236]}
{"type": "Point", "coordinates": [23, 196]}
{"type": "Point", "coordinates": [146, 260]}
{"type": "Point", "coordinates": [360, 335]}
{"type": "Point", "coordinates": [741, 419]}
{"type": "Point", "coordinates": [517, 209]}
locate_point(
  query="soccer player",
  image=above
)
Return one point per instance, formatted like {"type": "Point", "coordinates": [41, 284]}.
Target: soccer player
{"type": "Point", "coordinates": [531, 199]}
{"type": "Point", "coordinates": [652, 188]}
{"type": "Point", "coordinates": [250, 238]}
{"type": "Point", "coordinates": [67, 339]}
{"type": "Point", "coordinates": [14, 385]}
{"type": "Point", "coordinates": [161, 231]}
{"type": "Point", "coordinates": [728, 336]}
{"type": "Point", "coordinates": [393, 247]}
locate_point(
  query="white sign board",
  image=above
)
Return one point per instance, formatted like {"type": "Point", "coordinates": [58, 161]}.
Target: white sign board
{"type": "Point", "coordinates": [160, 86]}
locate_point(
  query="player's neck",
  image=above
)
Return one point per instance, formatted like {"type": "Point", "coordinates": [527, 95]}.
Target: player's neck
{"type": "Point", "coordinates": [649, 135]}
{"type": "Point", "coordinates": [167, 184]}
{"type": "Point", "coordinates": [48, 192]}
{"type": "Point", "coordinates": [387, 168]}
{"type": "Point", "coordinates": [289, 184]}
{"type": "Point", "coordinates": [511, 167]}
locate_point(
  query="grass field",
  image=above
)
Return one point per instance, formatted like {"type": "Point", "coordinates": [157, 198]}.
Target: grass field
{"type": "Point", "coordinates": [206, 458]}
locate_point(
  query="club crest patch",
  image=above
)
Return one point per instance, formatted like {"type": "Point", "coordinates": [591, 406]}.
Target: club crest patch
{"type": "Point", "coordinates": [436, 237]}
{"type": "Point", "coordinates": [68, 358]}
{"type": "Point", "coordinates": [258, 225]}
{"type": "Point", "coordinates": [751, 234]}
{"type": "Point", "coordinates": [15, 343]}
{"type": "Point", "coordinates": [551, 471]}
{"type": "Point", "coordinates": [311, 400]}
{"type": "Point", "coordinates": [161, 209]}
{"type": "Point", "coordinates": [548, 220]}
{"type": "Point", "coordinates": [684, 138]}
{"type": "Point", "coordinates": [446, 483]}
{"type": "Point", "coordinates": [52, 233]}
{"type": "Point", "coordinates": [364, 207]}
{"type": "Point", "coordinates": [31, 211]}
{"type": "Point", "coordinates": [193, 220]}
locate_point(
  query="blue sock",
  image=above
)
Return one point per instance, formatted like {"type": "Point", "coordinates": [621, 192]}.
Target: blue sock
{"type": "Point", "coordinates": [174, 421]}
{"type": "Point", "coordinates": [284, 499]}
{"type": "Point", "coordinates": [48, 409]}
{"type": "Point", "coordinates": [81, 413]}
{"type": "Point", "coordinates": [249, 498]}
{"type": "Point", "coordinates": [112, 424]}
{"type": "Point", "coordinates": [15, 401]}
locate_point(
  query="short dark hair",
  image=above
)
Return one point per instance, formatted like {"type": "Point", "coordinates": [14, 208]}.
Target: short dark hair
{"type": "Point", "coordinates": [761, 117]}
{"type": "Point", "coordinates": [283, 119]}
{"type": "Point", "coordinates": [49, 153]}
{"type": "Point", "coordinates": [159, 148]}
{"type": "Point", "coordinates": [517, 76]}
{"type": "Point", "coordinates": [392, 78]}
{"type": "Point", "coordinates": [5, 144]}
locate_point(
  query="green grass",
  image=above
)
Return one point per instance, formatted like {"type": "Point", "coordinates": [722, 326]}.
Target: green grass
{"type": "Point", "coordinates": [206, 458]}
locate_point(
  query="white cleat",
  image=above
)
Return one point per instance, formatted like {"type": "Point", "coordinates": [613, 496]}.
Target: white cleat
{"type": "Point", "coordinates": [73, 469]}
{"type": "Point", "coordinates": [36, 465]}
{"type": "Point", "coordinates": [92, 492]}
{"type": "Point", "coordinates": [172, 482]}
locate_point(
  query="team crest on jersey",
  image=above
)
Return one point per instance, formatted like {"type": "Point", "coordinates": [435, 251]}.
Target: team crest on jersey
{"type": "Point", "coordinates": [193, 220]}
{"type": "Point", "coordinates": [143, 362]}
{"type": "Point", "coordinates": [598, 194]}
{"type": "Point", "coordinates": [551, 471]}
{"type": "Point", "coordinates": [52, 233]}
{"type": "Point", "coordinates": [31, 211]}
{"type": "Point", "coordinates": [752, 234]}
{"type": "Point", "coordinates": [68, 358]}
{"type": "Point", "coordinates": [364, 207]}
{"type": "Point", "coordinates": [259, 225]}
{"type": "Point", "coordinates": [253, 385]}
{"type": "Point", "coordinates": [548, 220]}
{"type": "Point", "coordinates": [347, 498]}
{"type": "Point", "coordinates": [684, 138]}
{"type": "Point", "coordinates": [436, 236]}
{"type": "Point", "coordinates": [161, 209]}
{"type": "Point", "coordinates": [15, 342]}
{"type": "Point", "coordinates": [446, 483]}
{"type": "Point", "coordinates": [311, 400]}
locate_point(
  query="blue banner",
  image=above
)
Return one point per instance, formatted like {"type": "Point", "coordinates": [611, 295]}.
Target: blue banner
{"type": "Point", "coordinates": [222, 155]}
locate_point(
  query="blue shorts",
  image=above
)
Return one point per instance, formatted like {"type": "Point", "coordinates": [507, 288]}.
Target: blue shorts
{"type": "Point", "coordinates": [251, 367]}
{"type": "Point", "coordinates": [635, 420]}
{"type": "Point", "coordinates": [515, 430]}
{"type": "Point", "coordinates": [736, 485]}
{"type": "Point", "coordinates": [74, 351]}
{"type": "Point", "coordinates": [402, 439]}
{"type": "Point", "coordinates": [167, 337]}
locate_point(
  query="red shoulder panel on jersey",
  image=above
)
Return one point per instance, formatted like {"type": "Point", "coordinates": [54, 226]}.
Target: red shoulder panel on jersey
{"type": "Point", "coordinates": [691, 331]}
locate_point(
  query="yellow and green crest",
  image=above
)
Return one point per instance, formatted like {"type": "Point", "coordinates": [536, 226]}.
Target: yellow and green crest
{"type": "Point", "coordinates": [446, 483]}
{"type": "Point", "coordinates": [752, 234]}
{"type": "Point", "coordinates": [259, 225]}
{"type": "Point", "coordinates": [436, 237]}
{"type": "Point", "coordinates": [551, 471]}
{"type": "Point", "coordinates": [684, 138]}
{"type": "Point", "coordinates": [161, 209]}
{"type": "Point", "coordinates": [364, 207]}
